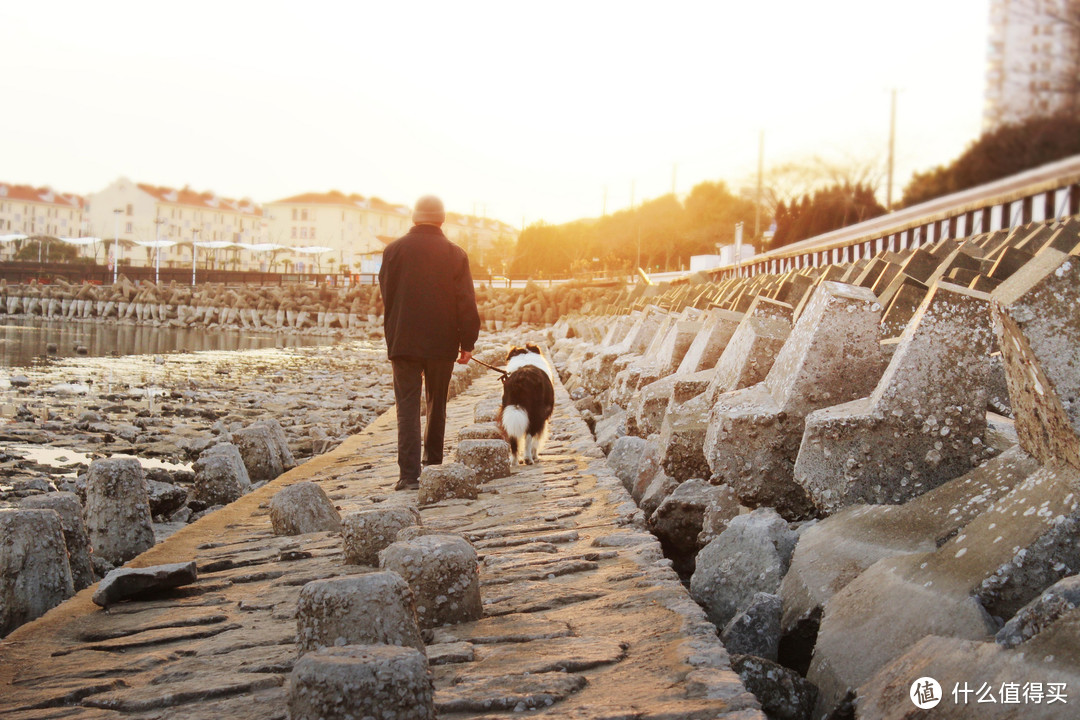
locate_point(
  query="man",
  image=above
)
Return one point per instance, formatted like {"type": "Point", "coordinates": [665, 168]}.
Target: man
{"type": "Point", "coordinates": [430, 318]}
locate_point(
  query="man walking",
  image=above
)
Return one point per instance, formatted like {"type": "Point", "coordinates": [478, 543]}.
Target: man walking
{"type": "Point", "coordinates": [430, 318]}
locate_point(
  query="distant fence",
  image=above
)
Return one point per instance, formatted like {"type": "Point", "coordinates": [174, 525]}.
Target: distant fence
{"type": "Point", "coordinates": [1044, 193]}
{"type": "Point", "coordinates": [78, 273]}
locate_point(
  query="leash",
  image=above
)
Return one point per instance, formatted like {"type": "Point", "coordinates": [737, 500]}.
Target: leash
{"type": "Point", "coordinates": [502, 373]}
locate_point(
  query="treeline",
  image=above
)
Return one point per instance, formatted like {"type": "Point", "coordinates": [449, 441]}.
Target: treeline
{"type": "Point", "coordinates": [667, 232]}
{"type": "Point", "coordinates": [1005, 151]}
{"type": "Point", "coordinates": [827, 209]}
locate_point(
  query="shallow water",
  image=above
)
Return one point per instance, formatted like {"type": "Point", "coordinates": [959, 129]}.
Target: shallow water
{"type": "Point", "coordinates": [23, 341]}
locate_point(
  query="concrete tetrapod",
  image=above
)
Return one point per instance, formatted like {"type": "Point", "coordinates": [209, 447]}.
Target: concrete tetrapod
{"type": "Point", "coordinates": [746, 359]}
{"type": "Point", "coordinates": [924, 422]}
{"type": "Point", "coordinates": [832, 356]}
{"type": "Point", "coordinates": [1007, 555]}
{"type": "Point", "coordinates": [34, 572]}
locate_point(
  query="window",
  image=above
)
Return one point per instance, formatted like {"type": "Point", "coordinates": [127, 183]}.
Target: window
{"type": "Point", "coordinates": [312, 234]}
{"type": "Point", "coordinates": [303, 214]}
{"type": "Point", "coordinates": [294, 213]}
{"type": "Point", "coordinates": [127, 227]}
{"type": "Point", "coordinates": [294, 233]}
{"type": "Point", "coordinates": [130, 212]}
{"type": "Point", "coordinates": [303, 233]}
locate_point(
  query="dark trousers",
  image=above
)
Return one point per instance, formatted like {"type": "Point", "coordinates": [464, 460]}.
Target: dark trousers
{"type": "Point", "coordinates": [407, 380]}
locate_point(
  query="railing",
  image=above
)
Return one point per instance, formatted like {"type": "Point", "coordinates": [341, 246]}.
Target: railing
{"type": "Point", "coordinates": [1044, 193]}
{"type": "Point", "coordinates": [77, 274]}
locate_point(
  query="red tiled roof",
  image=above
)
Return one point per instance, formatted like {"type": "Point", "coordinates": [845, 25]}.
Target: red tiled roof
{"type": "Point", "coordinates": [205, 200]}
{"type": "Point", "coordinates": [334, 197]}
{"type": "Point", "coordinates": [42, 195]}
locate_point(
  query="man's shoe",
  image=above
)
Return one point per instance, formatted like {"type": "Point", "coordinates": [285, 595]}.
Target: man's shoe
{"type": "Point", "coordinates": [404, 484]}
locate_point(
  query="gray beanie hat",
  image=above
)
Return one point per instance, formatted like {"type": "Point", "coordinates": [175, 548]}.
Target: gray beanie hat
{"type": "Point", "coordinates": [429, 209]}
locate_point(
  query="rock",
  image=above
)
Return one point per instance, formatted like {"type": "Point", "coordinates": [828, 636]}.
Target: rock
{"type": "Point", "coordinates": [677, 521]}
{"type": "Point", "coordinates": [260, 452]}
{"type": "Point", "coordinates": [625, 457]}
{"type": "Point", "coordinates": [658, 490]}
{"type": "Point", "coordinates": [164, 498]}
{"type": "Point", "coordinates": [448, 481]}
{"type": "Point", "coordinates": [756, 629]}
{"type": "Point", "coordinates": [1030, 620]}
{"type": "Point", "coordinates": [489, 458]}
{"type": "Point", "coordinates": [719, 511]}
{"type": "Point", "coordinates": [67, 506]}
{"type": "Point", "coordinates": [34, 572]}
{"type": "Point", "coordinates": [381, 682]}
{"type": "Point", "coordinates": [220, 475]}
{"type": "Point", "coordinates": [117, 511]}
{"type": "Point", "coordinates": [480, 431]}
{"type": "Point", "coordinates": [375, 608]}
{"type": "Point", "coordinates": [923, 424]}
{"type": "Point", "coordinates": [486, 411]}
{"type": "Point", "coordinates": [125, 583]}
{"type": "Point", "coordinates": [610, 428]}
{"type": "Point", "coordinates": [749, 557]}
{"type": "Point", "coordinates": [19, 381]}
{"type": "Point", "coordinates": [365, 533]}
{"type": "Point", "coordinates": [301, 508]}
{"type": "Point", "coordinates": [783, 694]}
{"type": "Point", "coordinates": [443, 574]}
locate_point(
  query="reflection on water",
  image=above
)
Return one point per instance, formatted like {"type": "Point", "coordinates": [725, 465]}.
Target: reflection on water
{"type": "Point", "coordinates": [23, 340]}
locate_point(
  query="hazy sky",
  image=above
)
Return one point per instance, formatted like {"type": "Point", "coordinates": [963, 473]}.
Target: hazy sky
{"type": "Point", "coordinates": [522, 110]}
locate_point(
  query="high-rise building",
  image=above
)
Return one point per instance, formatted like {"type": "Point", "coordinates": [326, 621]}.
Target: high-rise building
{"type": "Point", "coordinates": [1033, 62]}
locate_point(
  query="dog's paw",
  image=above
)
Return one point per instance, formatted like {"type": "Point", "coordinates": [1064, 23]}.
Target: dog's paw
{"type": "Point", "coordinates": [528, 461]}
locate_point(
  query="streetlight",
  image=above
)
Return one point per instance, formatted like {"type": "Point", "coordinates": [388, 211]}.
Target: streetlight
{"type": "Point", "coordinates": [157, 249]}
{"type": "Point", "coordinates": [116, 243]}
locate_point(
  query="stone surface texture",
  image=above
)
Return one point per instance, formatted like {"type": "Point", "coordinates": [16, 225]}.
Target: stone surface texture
{"type": "Point", "coordinates": [125, 583]}
{"type": "Point", "coordinates": [69, 509]}
{"type": "Point", "coordinates": [381, 682]}
{"type": "Point", "coordinates": [301, 508]}
{"type": "Point", "coordinates": [442, 572]}
{"type": "Point", "coordinates": [490, 459]}
{"type": "Point", "coordinates": [357, 610]}
{"type": "Point", "coordinates": [34, 573]}
{"type": "Point", "coordinates": [117, 510]}
{"type": "Point", "coordinates": [220, 475]}
{"type": "Point", "coordinates": [366, 533]}
{"type": "Point", "coordinates": [448, 481]}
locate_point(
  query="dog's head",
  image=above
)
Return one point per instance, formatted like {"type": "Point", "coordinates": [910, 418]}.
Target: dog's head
{"type": "Point", "coordinates": [529, 348]}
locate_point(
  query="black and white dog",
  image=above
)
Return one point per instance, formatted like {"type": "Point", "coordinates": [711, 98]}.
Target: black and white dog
{"type": "Point", "coordinates": [527, 402]}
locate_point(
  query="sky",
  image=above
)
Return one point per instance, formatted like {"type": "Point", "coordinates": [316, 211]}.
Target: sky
{"type": "Point", "coordinates": [518, 111]}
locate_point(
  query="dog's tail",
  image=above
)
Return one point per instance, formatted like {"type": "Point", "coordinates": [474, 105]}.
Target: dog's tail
{"type": "Point", "coordinates": [515, 420]}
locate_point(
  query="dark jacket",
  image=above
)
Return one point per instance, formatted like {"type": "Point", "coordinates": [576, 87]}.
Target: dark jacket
{"type": "Point", "coordinates": [427, 290]}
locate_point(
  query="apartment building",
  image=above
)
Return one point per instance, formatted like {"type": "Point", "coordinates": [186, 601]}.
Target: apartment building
{"type": "Point", "coordinates": [1033, 60]}
{"type": "Point", "coordinates": [140, 213]}
{"type": "Point", "coordinates": [31, 211]}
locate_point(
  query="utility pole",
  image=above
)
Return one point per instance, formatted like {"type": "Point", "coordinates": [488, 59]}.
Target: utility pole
{"type": "Point", "coordinates": [760, 171]}
{"type": "Point", "coordinates": [892, 149]}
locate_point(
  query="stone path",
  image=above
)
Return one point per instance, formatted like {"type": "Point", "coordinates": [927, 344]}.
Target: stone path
{"type": "Point", "coordinates": [584, 618]}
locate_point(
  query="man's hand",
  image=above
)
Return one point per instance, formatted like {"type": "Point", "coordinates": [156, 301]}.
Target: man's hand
{"type": "Point", "coordinates": [464, 357]}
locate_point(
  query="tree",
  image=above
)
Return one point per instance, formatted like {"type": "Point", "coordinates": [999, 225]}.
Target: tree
{"type": "Point", "coordinates": [828, 209]}
{"type": "Point", "coordinates": [48, 249]}
{"type": "Point", "coordinates": [999, 153]}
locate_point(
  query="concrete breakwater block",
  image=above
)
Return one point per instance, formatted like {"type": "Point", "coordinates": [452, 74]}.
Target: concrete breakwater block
{"type": "Point", "coordinates": [709, 343]}
{"type": "Point", "coordinates": [835, 550]}
{"type": "Point", "coordinates": [646, 409]}
{"type": "Point", "coordinates": [924, 422]}
{"type": "Point", "coordinates": [220, 475]}
{"type": "Point", "coordinates": [124, 583]}
{"type": "Point", "coordinates": [375, 608]}
{"type": "Point", "coordinates": [832, 356]}
{"type": "Point", "coordinates": [117, 510]}
{"type": "Point", "coordinates": [486, 411]}
{"type": "Point", "coordinates": [480, 431]}
{"type": "Point", "coordinates": [489, 458]}
{"type": "Point", "coordinates": [746, 360]}
{"type": "Point", "coordinates": [380, 682]}
{"type": "Point", "coordinates": [444, 576]}
{"type": "Point", "coordinates": [69, 509]}
{"type": "Point", "coordinates": [365, 533]}
{"type": "Point", "coordinates": [34, 572]}
{"type": "Point", "coordinates": [448, 481]}
{"type": "Point", "coordinates": [303, 507]}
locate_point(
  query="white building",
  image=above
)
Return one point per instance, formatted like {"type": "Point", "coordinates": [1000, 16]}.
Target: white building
{"type": "Point", "coordinates": [140, 213]}
{"type": "Point", "coordinates": [26, 210]}
{"type": "Point", "coordinates": [1033, 61]}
